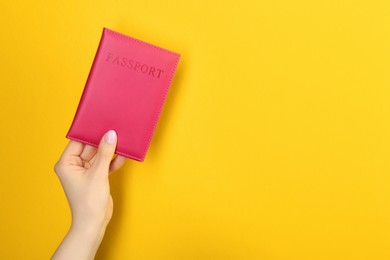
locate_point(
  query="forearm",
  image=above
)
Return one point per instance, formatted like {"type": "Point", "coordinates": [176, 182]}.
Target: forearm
{"type": "Point", "coordinates": [81, 242]}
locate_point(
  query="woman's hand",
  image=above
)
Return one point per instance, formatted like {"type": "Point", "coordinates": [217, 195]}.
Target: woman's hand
{"type": "Point", "coordinates": [83, 171]}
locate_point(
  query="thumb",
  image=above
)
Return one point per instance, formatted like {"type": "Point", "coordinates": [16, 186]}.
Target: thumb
{"type": "Point", "coordinates": [105, 151]}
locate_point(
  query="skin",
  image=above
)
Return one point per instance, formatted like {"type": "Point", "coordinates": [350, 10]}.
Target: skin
{"type": "Point", "coordinates": [83, 171]}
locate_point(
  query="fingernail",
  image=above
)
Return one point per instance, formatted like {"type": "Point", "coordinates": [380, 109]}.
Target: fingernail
{"type": "Point", "coordinates": [110, 137]}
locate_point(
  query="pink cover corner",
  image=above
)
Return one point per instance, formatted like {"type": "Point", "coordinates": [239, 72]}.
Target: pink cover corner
{"type": "Point", "coordinates": [125, 91]}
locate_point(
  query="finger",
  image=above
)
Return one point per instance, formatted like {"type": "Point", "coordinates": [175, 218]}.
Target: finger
{"type": "Point", "coordinates": [105, 152]}
{"type": "Point", "coordinates": [92, 159]}
{"type": "Point", "coordinates": [88, 153]}
{"type": "Point", "coordinates": [73, 148]}
{"type": "Point", "coordinates": [117, 163]}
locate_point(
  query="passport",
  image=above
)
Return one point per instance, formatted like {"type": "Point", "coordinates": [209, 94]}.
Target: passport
{"type": "Point", "coordinates": [125, 90]}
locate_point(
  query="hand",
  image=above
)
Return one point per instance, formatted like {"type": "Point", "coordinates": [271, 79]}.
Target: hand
{"type": "Point", "coordinates": [83, 171]}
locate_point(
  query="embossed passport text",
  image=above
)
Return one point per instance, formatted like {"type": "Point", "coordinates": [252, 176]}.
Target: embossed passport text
{"type": "Point", "coordinates": [125, 91]}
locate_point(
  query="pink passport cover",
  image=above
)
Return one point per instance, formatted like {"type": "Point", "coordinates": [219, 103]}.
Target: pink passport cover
{"type": "Point", "coordinates": [125, 91]}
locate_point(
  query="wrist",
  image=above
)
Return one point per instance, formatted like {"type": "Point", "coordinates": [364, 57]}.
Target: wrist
{"type": "Point", "coordinates": [88, 222]}
{"type": "Point", "coordinates": [83, 239]}
{"type": "Point", "coordinates": [89, 235]}
{"type": "Point", "coordinates": [88, 228]}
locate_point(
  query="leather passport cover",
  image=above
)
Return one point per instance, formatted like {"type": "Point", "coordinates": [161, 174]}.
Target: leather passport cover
{"type": "Point", "coordinates": [125, 91]}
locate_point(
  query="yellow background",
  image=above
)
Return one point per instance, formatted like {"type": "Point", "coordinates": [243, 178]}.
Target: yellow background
{"type": "Point", "coordinates": [273, 143]}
